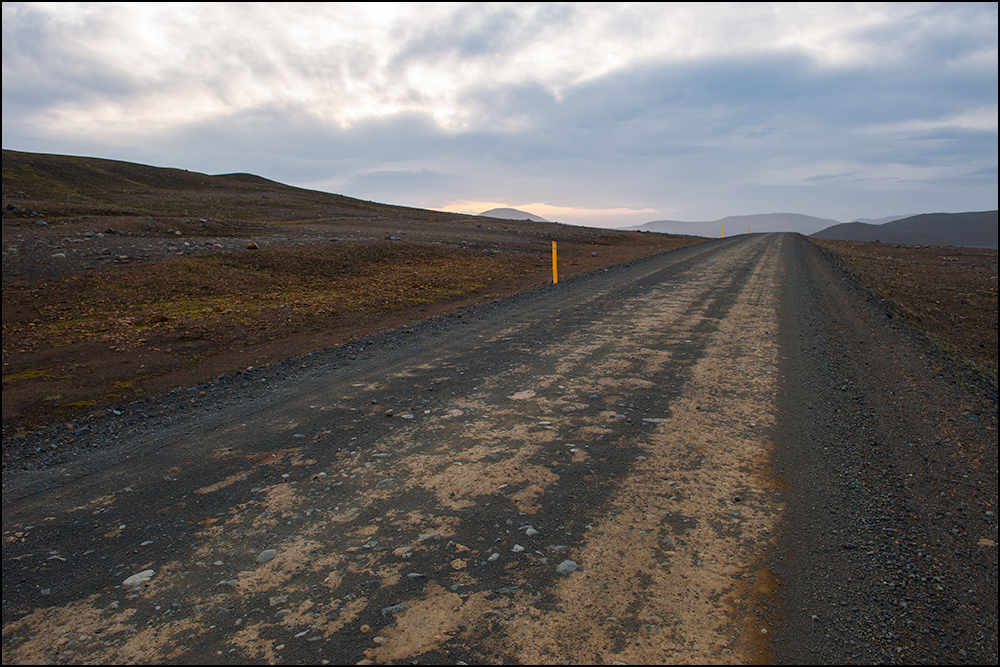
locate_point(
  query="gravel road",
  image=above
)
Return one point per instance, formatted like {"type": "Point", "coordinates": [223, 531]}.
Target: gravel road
{"type": "Point", "coordinates": [720, 454]}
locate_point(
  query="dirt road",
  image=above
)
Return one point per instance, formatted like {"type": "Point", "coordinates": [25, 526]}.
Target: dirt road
{"type": "Point", "coordinates": [720, 454]}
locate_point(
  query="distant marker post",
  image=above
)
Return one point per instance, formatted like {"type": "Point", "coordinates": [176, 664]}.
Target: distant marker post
{"type": "Point", "coordinates": [723, 233]}
{"type": "Point", "coordinates": [555, 270]}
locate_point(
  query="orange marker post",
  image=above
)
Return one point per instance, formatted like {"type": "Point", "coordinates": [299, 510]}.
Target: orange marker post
{"type": "Point", "coordinates": [555, 270]}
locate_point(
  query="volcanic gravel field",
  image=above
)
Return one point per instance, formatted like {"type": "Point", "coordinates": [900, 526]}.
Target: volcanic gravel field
{"type": "Point", "coordinates": [723, 453]}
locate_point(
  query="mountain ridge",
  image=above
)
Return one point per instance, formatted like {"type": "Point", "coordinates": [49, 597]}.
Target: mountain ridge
{"type": "Point", "coordinates": [973, 229]}
{"type": "Point", "coordinates": [738, 224]}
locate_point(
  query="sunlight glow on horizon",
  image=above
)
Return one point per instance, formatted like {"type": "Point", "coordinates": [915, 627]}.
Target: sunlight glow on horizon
{"type": "Point", "coordinates": [571, 215]}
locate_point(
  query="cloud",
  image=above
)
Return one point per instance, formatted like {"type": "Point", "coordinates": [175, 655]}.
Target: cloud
{"type": "Point", "coordinates": [695, 110]}
{"type": "Point", "coordinates": [980, 121]}
{"type": "Point", "coordinates": [350, 63]}
{"type": "Point", "coordinates": [404, 184]}
{"type": "Point", "coordinates": [827, 177]}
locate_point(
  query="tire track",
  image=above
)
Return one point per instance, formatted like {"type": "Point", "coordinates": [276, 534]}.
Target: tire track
{"type": "Point", "coordinates": [621, 423]}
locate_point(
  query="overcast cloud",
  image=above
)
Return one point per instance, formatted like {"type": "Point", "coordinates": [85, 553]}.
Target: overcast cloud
{"type": "Point", "coordinates": [597, 114]}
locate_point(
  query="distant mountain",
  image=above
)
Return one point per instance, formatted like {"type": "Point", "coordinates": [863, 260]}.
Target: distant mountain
{"type": "Point", "coordinates": [882, 221]}
{"type": "Point", "coordinates": [512, 214]}
{"type": "Point", "coordinates": [971, 230]}
{"type": "Point", "coordinates": [739, 224]}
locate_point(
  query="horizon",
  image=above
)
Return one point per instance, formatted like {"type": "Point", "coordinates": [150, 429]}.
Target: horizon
{"type": "Point", "coordinates": [704, 224]}
{"type": "Point", "coordinates": [601, 116]}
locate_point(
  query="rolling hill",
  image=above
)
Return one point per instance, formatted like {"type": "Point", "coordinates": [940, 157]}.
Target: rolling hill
{"type": "Point", "coordinates": [739, 224]}
{"type": "Point", "coordinates": [971, 230]}
{"type": "Point", "coordinates": [65, 186]}
{"type": "Point", "coordinates": [512, 214]}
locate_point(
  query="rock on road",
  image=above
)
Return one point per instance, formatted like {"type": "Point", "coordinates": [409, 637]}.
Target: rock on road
{"type": "Point", "coordinates": [720, 454]}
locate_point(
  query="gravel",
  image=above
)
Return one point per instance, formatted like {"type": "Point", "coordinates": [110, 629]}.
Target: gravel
{"type": "Point", "coordinates": [884, 553]}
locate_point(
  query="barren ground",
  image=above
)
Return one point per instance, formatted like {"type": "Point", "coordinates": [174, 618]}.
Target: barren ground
{"type": "Point", "coordinates": [732, 452]}
{"type": "Point", "coordinates": [140, 280]}
{"type": "Point", "coordinates": [946, 292]}
{"type": "Point", "coordinates": [742, 461]}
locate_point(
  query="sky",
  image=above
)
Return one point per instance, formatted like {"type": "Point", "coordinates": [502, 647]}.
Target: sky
{"type": "Point", "coordinates": [595, 114]}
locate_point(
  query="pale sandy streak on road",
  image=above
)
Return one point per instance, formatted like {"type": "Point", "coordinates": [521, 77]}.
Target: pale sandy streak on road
{"type": "Point", "coordinates": [646, 419]}
{"type": "Point", "coordinates": [665, 574]}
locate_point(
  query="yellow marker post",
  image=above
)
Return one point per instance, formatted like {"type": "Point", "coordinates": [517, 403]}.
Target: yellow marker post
{"type": "Point", "coordinates": [723, 233]}
{"type": "Point", "coordinates": [555, 270]}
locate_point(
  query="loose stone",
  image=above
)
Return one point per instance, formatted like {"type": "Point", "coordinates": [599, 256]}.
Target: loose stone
{"type": "Point", "coordinates": [521, 395]}
{"type": "Point", "coordinates": [139, 578]}
{"type": "Point", "coordinates": [566, 566]}
{"type": "Point", "coordinates": [423, 537]}
{"type": "Point", "coordinates": [395, 609]}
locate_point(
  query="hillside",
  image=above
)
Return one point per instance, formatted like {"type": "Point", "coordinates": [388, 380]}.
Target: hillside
{"type": "Point", "coordinates": [970, 230]}
{"type": "Point", "coordinates": [69, 187]}
{"type": "Point", "coordinates": [122, 281]}
{"type": "Point", "coordinates": [512, 214]}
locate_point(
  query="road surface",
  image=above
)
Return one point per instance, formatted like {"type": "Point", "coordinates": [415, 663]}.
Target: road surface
{"type": "Point", "coordinates": [721, 454]}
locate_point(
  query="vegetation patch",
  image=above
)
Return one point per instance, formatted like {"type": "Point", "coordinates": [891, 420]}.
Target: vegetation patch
{"type": "Point", "coordinates": [29, 375]}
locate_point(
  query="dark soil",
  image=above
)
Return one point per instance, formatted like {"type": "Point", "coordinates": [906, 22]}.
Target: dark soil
{"type": "Point", "coordinates": [756, 450]}
{"type": "Point", "coordinates": [947, 293]}
{"type": "Point", "coordinates": [122, 281]}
